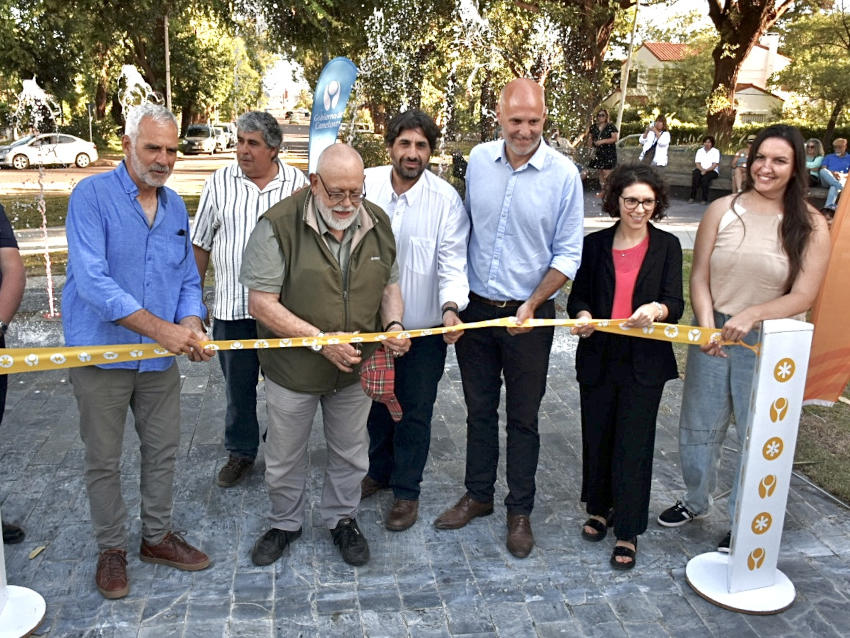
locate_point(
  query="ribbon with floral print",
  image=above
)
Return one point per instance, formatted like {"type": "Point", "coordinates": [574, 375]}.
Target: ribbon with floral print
{"type": "Point", "coordinates": [38, 359]}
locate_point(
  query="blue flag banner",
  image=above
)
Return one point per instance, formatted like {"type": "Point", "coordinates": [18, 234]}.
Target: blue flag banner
{"type": "Point", "coordinates": [329, 100]}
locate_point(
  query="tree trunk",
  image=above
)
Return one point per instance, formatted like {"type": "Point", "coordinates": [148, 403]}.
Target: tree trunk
{"type": "Point", "coordinates": [186, 114]}
{"type": "Point", "coordinates": [720, 111]}
{"type": "Point", "coordinates": [584, 50]}
{"type": "Point", "coordinates": [830, 125]}
{"type": "Point", "coordinates": [487, 107]}
{"type": "Point", "coordinates": [740, 24]}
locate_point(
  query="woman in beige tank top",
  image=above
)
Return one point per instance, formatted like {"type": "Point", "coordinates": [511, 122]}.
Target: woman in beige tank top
{"type": "Point", "coordinates": [760, 254]}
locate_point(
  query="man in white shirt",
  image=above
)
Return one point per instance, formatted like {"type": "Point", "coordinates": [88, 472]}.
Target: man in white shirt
{"type": "Point", "coordinates": [233, 199]}
{"type": "Point", "coordinates": [431, 229]}
{"type": "Point", "coordinates": [707, 161]}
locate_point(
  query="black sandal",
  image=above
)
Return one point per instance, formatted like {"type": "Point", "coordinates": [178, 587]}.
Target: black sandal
{"type": "Point", "coordinates": [601, 529]}
{"type": "Point", "coordinates": [619, 550]}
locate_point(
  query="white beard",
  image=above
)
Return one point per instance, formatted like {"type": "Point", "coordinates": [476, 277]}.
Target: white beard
{"type": "Point", "coordinates": [327, 214]}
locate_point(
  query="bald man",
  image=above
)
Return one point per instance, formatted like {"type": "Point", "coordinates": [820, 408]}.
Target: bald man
{"type": "Point", "coordinates": [525, 202]}
{"type": "Point", "coordinates": [321, 261]}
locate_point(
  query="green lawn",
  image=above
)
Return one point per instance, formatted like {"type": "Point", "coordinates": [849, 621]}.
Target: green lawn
{"type": "Point", "coordinates": [22, 209]}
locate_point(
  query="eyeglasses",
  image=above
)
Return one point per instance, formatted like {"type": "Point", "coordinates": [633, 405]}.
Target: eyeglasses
{"type": "Point", "coordinates": [601, 115]}
{"type": "Point", "coordinates": [630, 203]}
{"type": "Point", "coordinates": [810, 145]}
{"type": "Point", "coordinates": [337, 197]}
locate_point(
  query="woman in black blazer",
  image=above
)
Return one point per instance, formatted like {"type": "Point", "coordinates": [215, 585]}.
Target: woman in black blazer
{"type": "Point", "coordinates": [633, 272]}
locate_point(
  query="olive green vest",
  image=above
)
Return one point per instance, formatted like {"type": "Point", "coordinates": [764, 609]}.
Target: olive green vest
{"type": "Point", "coordinates": [314, 290]}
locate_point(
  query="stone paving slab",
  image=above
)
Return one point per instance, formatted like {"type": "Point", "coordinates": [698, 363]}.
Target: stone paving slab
{"type": "Point", "coordinates": [422, 582]}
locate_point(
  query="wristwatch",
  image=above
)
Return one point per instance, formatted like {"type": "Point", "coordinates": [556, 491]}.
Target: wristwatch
{"type": "Point", "coordinates": [317, 347]}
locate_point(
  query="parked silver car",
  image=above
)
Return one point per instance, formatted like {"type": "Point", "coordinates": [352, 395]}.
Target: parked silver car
{"type": "Point", "coordinates": [199, 138]}
{"type": "Point", "coordinates": [47, 149]}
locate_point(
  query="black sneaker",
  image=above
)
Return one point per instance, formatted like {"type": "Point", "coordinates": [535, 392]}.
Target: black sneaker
{"type": "Point", "coordinates": [271, 545]}
{"type": "Point", "coordinates": [723, 545]}
{"type": "Point", "coordinates": [352, 543]}
{"type": "Point", "coordinates": [678, 515]}
{"type": "Point", "coordinates": [234, 470]}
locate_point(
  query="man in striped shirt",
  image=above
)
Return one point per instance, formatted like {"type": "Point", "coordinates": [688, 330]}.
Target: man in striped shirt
{"type": "Point", "coordinates": [233, 199]}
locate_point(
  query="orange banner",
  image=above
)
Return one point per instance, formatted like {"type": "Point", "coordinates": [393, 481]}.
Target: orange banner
{"type": "Point", "coordinates": [829, 362]}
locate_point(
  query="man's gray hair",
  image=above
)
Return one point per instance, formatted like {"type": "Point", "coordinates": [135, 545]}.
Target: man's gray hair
{"type": "Point", "coordinates": [265, 124]}
{"type": "Point", "coordinates": [156, 112]}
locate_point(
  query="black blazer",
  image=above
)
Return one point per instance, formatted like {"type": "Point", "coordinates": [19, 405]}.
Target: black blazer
{"type": "Point", "coordinates": [659, 279]}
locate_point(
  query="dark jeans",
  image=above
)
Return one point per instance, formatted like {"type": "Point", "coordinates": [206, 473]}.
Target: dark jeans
{"type": "Point", "coordinates": [702, 183]}
{"type": "Point", "coordinates": [618, 439]}
{"type": "Point", "coordinates": [484, 356]}
{"type": "Point", "coordinates": [398, 451]}
{"type": "Point", "coordinates": [241, 370]}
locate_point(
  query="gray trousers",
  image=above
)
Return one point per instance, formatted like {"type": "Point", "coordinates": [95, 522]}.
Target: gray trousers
{"type": "Point", "coordinates": [103, 397]}
{"type": "Point", "coordinates": [290, 421]}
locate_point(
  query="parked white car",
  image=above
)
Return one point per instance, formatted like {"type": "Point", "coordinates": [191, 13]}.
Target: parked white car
{"type": "Point", "coordinates": [47, 149]}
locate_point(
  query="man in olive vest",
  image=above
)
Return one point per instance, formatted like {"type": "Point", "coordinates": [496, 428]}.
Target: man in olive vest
{"type": "Point", "coordinates": [320, 262]}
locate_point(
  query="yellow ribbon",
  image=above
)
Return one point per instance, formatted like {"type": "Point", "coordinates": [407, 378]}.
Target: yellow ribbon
{"type": "Point", "coordinates": [14, 360]}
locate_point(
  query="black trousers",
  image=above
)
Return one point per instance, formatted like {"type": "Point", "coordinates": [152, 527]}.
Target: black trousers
{"type": "Point", "coordinates": [485, 356]}
{"type": "Point", "coordinates": [241, 369]}
{"type": "Point", "coordinates": [701, 183]}
{"type": "Point", "coordinates": [398, 451]}
{"type": "Point", "coordinates": [618, 439]}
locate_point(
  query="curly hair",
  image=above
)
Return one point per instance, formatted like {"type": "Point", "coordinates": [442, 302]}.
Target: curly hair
{"type": "Point", "coordinates": [627, 174]}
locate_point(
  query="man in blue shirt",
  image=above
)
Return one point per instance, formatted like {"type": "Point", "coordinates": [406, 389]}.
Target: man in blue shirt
{"type": "Point", "coordinates": [526, 206]}
{"type": "Point", "coordinates": [132, 279]}
{"type": "Point", "coordinates": [834, 171]}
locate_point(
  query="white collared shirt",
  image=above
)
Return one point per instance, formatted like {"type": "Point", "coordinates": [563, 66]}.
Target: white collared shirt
{"type": "Point", "coordinates": [227, 213]}
{"type": "Point", "coordinates": [431, 231]}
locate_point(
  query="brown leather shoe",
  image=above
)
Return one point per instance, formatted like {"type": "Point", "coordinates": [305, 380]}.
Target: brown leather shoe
{"type": "Point", "coordinates": [463, 511]}
{"type": "Point", "coordinates": [111, 574]}
{"type": "Point", "coordinates": [402, 515]}
{"type": "Point", "coordinates": [174, 551]}
{"type": "Point", "coordinates": [369, 486]}
{"type": "Point", "coordinates": [520, 539]}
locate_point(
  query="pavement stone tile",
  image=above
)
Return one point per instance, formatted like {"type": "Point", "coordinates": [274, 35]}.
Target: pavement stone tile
{"type": "Point", "coordinates": [383, 625]}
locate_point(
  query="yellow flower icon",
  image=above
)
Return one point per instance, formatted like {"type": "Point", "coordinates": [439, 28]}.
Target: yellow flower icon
{"type": "Point", "coordinates": [761, 523]}
{"type": "Point", "coordinates": [755, 558]}
{"type": "Point", "coordinates": [772, 448]}
{"type": "Point", "coordinates": [784, 370]}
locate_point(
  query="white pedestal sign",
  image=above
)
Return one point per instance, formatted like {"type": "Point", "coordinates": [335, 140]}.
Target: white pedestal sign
{"type": "Point", "coordinates": [747, 579]}
{"type": "Point", "coordinates": [21, 609]}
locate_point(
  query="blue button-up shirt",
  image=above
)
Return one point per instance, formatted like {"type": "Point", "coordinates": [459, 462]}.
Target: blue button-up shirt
{"type": "Point", "coordinates": [118, 265]}
{"type": "Point", "coordinates": [524, 220]}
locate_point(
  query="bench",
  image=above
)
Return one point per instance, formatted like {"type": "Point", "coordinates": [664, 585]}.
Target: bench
{"type": "Point", "coordinates": [680, 165]}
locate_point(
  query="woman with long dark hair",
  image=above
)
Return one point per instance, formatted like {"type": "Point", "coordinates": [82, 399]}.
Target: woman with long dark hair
{"type": "Point", "coordinates": [760, 254]}
{"type": "Point", "coordinates": [631, 271]}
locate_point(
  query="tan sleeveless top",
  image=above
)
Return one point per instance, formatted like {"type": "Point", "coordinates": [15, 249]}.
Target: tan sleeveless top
{"type": "Point", "coordinates": [748, 264]}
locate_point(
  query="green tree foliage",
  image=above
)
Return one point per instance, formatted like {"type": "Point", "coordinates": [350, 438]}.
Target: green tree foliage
{"type": "Point", "coordinates": [76, 49]}
{"type": "Point", "coordinates": [740, 24]}
{"type": "Point", "coordinates": [819, 47]}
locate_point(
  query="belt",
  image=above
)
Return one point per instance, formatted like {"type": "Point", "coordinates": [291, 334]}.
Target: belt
{"type": "Point", "coordinates": [492, 302]}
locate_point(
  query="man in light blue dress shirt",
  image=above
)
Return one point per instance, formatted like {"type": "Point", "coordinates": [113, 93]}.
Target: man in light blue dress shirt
{"type": "Point", "coordinates": [526, 206]}
{"type": "Point", "coordinates": [132, 279]}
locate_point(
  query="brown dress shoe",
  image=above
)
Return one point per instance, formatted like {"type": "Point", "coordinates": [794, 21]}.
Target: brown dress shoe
{"type": "Point", "coordinates": [174, 551]}
{"type": "Point", "coordinates": [111, 574]}
{"type": "Point", "coordinates": [520, 539]}
{"type": "Point", "coordinates": [369, 486]}
{"type": "Point", "coordinates": [463, 511]}
{"type": "Point", "coordinates": [402, 515]}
